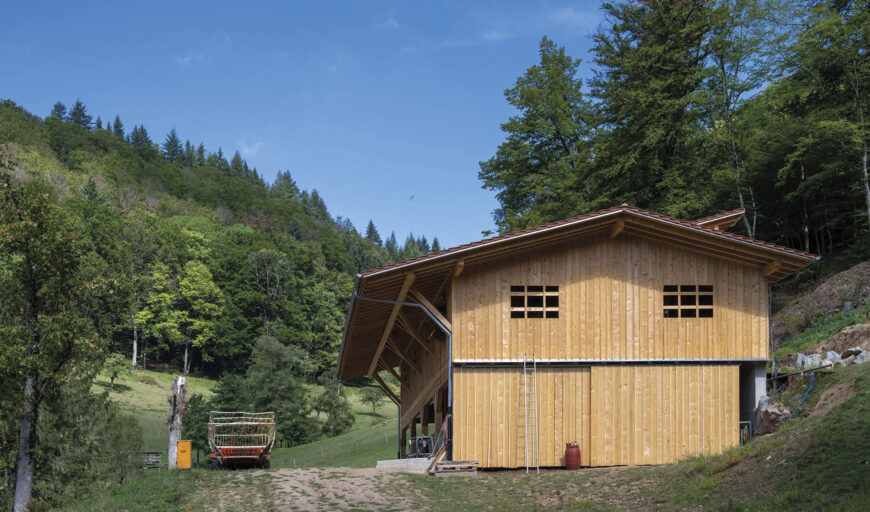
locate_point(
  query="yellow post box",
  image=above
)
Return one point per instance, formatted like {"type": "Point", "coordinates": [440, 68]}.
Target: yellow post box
{"type": "Point", "coordinates": [183, 452]}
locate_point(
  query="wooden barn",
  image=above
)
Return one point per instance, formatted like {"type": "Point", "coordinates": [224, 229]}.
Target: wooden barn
{"type": "Point", "coordinates": [641, 337]}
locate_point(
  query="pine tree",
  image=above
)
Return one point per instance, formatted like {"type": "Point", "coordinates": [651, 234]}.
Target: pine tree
{"type": "Point", "coordinates": [98, 124]}
{"type": "Point", "coordinates": [109, 126]}
{"type": "Point", "coordinates": [391, 245]}
{"type": "Point", "coordinates": [78, 116]}
{"type": "Point", "coordinates": [435, 245]}
{"type": "Point", "coordinates": [200, 154]}
{"type": "Point", "coordinates": [372, 234]}
{"type": "Point", "coordinates": [118, 127]}
{"type": "Point", "coordinates": [139, 138]}
{"type": "Point", "coordinates": [187, 156]}
{"type": "Point", "coordinates": [237, 165]}
{"type": "Point", "coordinates": [172, 146]}
{"type": "Point", "coordinates": [58, 111]}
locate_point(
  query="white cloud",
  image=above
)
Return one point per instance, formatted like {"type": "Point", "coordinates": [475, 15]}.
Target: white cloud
{"type": "Point", "coordinates": [407, 49]}
{"type": "Point", "coordinates": [496, 35]}
{"type": "Point", "coordinates": [389, 24]}
{"type": "Point", "coordinates": [584, 19]}
{"type": "Point", "coordinates": [250, 150]}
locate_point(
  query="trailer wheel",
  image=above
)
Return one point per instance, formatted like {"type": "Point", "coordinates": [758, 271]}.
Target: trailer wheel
{"type": "Point", "coordinates": [213, 464]}
{"type": "Point", "coordinates": [267, 464]}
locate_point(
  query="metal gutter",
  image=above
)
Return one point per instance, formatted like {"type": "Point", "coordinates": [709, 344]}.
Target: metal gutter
{"type": "Point", "coordinates": [576, 362]}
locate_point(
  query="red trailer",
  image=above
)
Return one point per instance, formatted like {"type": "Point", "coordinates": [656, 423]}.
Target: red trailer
{"type": "Point", "coordinates": [240, 439]}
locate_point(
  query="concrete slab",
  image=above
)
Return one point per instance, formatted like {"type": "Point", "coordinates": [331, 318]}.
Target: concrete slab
{"type": "Point", "coordinates": [418, 466]}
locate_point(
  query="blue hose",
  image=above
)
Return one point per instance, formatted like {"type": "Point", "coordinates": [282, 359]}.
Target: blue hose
{"type": "Point", "coordinates": [804, 397]}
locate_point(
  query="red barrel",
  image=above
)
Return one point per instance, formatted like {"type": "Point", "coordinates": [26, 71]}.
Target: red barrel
{"type": "Point", "coordinates": [572, 456]}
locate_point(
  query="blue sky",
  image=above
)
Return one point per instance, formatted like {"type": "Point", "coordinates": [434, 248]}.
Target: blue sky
{"type": "Point", "coordinates": [386, 108]}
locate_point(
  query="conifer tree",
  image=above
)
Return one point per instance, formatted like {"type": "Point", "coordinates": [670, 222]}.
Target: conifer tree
{"type": "Point", "coordinates": [78, 116]}
{"type": "Point", "coordinates": [172, 146]}
{"type": "Point", "coordinates": [391, 245]}
{"type": "Point", "coordinates": [200, 154]}
{"type": "Point", "coordinates": [435, 245]}
{"type": "Point", "coordinates": [98, 124]}
{"type": "Point", "coordinates": [372, 234]}
{"type": "Point", "coordinates": [58, 111]}
{"type": "Point", "coordinates": [118, 127]}
{"type": "Point", "coordinates": [237, 165]}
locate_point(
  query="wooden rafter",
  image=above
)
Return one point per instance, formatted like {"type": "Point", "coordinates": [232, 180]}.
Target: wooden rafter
{"type": "Point", "coordinates": [617, 228]}
{"type": "Point", "coordinates": [771, 268]}
{"type": "Point", "coordinates": [423, 301]}
{"type": "Point", "coordinates": [394, 349]}
{"type": "Point", "coordinates": [392, 372]}
{"type": "Point", "coordinates": [406, 285]}
{"type": "Point", "coordinates": [387, 389]}
{"type": "Point", "coordinates": [406, 326]}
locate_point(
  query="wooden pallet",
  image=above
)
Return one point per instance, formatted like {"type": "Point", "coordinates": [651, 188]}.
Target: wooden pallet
{"type": "Point", "coordinates": [456, 466]}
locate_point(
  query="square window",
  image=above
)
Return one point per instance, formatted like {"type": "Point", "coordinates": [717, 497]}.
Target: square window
{"type": "Point", "coordinates": [705, 288]}
{"type": "Point", "coordinates": [687, 288]}
{"type": "Point", "coordinates": [705, 313]}
{"type": "Point", "coordinates": [687, 300]}
{"type": "Point", "coordinates": [552, 289]}
{"type": "Point", "coordinates": [552, 314]}
{"type": "Point", "coordinates": [671, 288]}
{"type": "Point", "coordinates": [670, 300]}
{"type": "Point", "coordinates": [518, 301]}
{"type": "Point", "coordinates": [531, 289]}
{"type": "Point", "coordinates": [519, 289]}
{"type": "Point", "coordinates": [687, 313]}
{"type": "Point", "coordinates": [535, 314]}
{"type": "Point", "coordinates": [705, 300]}
{"type": "Point", "coordinates": [671, 313]}
{"type": "Point", "coordinates": [552, 301]}
{"type": "Point", "coordinates": [518, 314]}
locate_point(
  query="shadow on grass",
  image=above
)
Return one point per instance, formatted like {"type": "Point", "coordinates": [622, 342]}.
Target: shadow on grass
{"type": "Point", "coordinates": [119, 388]}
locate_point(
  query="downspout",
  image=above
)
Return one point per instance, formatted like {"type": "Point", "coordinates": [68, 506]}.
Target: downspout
{"type": "Point", "coordinates": [446, 331]}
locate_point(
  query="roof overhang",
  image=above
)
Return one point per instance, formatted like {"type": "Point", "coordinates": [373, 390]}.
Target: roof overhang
{"type": "Point", "coordinates": [366, 321]}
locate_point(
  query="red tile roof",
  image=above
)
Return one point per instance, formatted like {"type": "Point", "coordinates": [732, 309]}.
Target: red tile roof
{"type": "Point", "coordinates": [623, 208]}
{"type": "Point", "coordinates": [705, 220]}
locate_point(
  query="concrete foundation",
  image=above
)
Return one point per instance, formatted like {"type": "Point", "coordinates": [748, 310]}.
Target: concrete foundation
{"type": "Point", "coordinates": [419, 466]}
{"type": "Point", "coordinates": [753, 386]}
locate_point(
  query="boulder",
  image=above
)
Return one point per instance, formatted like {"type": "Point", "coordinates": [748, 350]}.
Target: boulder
{"type": "Point", "coordinates": [862, 358]}
{"type": "Point", "coordinates": [801, 362]}
{"type": "Point", "coordinates": [848, 361]}
{"type": "Point", "coordinates": [833, 358]}
{"type": "Point", "coordinates": [854, 351]}
{"type": "Point", "coordinates": [769, 415]}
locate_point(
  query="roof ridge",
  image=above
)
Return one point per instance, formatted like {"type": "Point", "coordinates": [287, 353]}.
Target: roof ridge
{"type": "Point", "coordinates": [718, 215]}
{"type": "Point", "coordinates": [623, 207]}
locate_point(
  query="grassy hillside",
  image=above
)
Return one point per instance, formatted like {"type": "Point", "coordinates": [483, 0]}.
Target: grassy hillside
{"type": "Point", "coordinates": [143, 394]}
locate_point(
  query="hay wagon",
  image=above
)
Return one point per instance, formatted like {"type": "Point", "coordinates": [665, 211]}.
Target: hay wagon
{"type": "Point", "coordinates": [240, 439]}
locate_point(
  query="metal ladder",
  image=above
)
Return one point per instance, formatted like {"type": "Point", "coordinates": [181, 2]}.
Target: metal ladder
{"type": "Point", "coordinates": [530, 399]}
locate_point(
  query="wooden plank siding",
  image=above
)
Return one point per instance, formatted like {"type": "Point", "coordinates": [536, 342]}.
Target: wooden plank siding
{"type": "Point", "coordinates": [610, 304]}
{"type": "Point", "coordinates": [488, 421]}
{"type": "Point", "coordinates": [620, 415]}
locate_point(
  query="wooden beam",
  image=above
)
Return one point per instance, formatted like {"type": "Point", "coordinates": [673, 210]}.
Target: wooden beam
{"type": "Point", "coordinates": [387, 390]}
{"type": "Point", "coordinates": [405, 324]}
{"type": "Point", "coordinates": [771, 268]}
{"type": "Point", "coordinates": [399, 353]}
{"type": "Point", "coordinates": [457, 270]}
{"type": "Point", "coordinates": [423, 301]}
{"type": "Point", "coordinates": [393, 373]}
{"type": "Point", "coordinates": [411, 410]}
{"type": "Point", "coordinates": [617, 228]}
{"type": "Point", "coordinates": [406, 285]}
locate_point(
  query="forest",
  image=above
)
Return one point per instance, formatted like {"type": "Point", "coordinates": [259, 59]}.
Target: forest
{"type": "Point", "coordinates": [118, 250]}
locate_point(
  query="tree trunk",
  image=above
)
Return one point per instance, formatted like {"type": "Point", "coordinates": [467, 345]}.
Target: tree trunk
{"type": "Point", "coordinates": [144, 362]}
{"type": "Point", "coordinates": [135, 343]}
{"type": "Point", "coordinates": [26, 442]}
{"type": "Point", "coordinates": [186, 368]}
{"type": "Point", "coordinates": [177, 408]}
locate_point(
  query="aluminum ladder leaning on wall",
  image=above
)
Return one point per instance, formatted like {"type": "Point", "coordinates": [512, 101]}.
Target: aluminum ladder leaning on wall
{"type": "Point", "coordinates": [530, 401]}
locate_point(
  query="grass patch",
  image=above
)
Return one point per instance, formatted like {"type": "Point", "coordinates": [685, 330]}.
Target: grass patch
{"type": "Point", "coordinates": [821, 330]}
{"type": "Point", "coordinates": [142, 394]}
